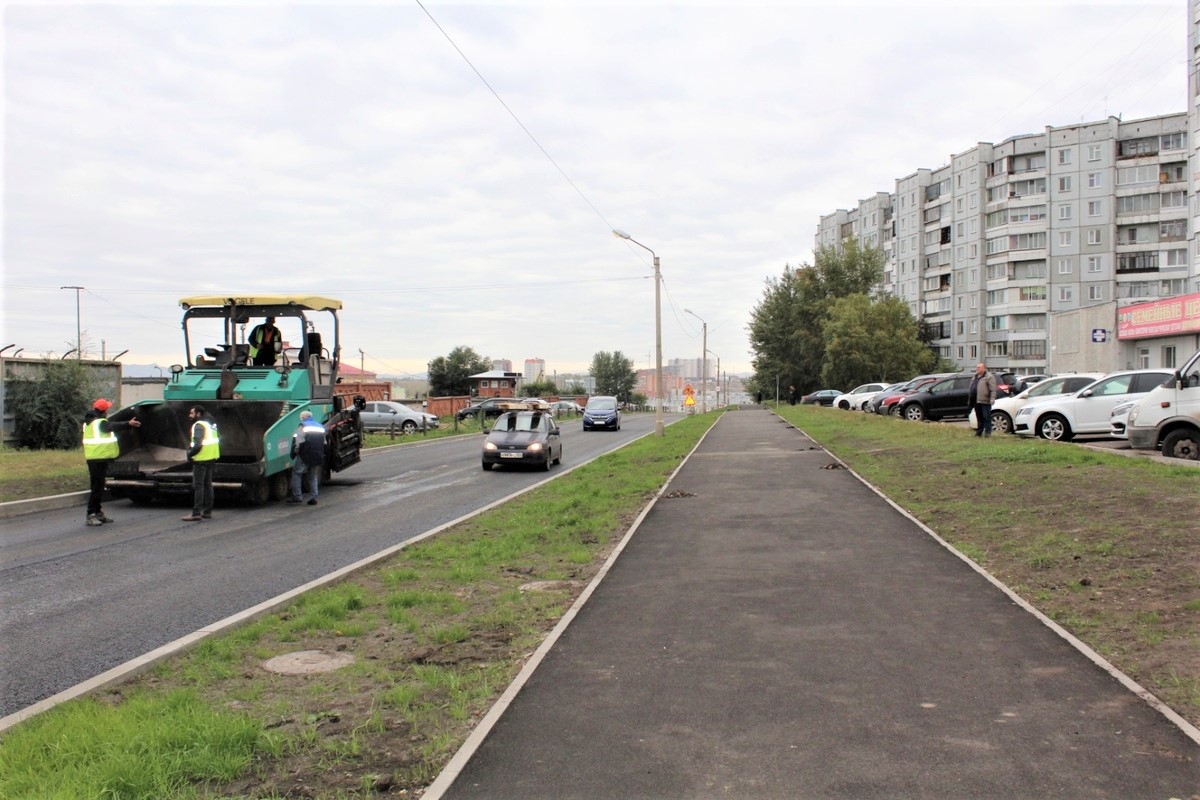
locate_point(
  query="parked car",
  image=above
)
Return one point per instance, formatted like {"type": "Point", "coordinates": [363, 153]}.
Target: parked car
{"type": "Point", "coordinates": [602, 411]}
{"type": "Point", "coordinates": [1118, 419]}
{"type": "Point", "coordinates": [1004, 409]}
{"type": "Point", "coordinates": [566, 406]}
{"type": "Point", "coordinates": [523, 437]}
{"type": "Point", "coordinates": [1086, 411]}
{"type": "Point", "coordinates": [1008, 384]}
{"type": "Point", "coordinates": [1167, 419]}
{"type": "Point", "coordinates": [885, 403]}
{"type": "Point", "coordinates": [823, 397]}
{"type": "Point", "coordinates": [854, 399]}
{"type": "Point", "coordinates": [948, 397]}
{"type": "Point", "coordinates": [382, 415]}
{"type": "Point", "coordinates": [491, 407]}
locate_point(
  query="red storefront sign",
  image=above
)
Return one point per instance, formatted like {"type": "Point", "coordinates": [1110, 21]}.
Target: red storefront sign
{"type": "Point", "coordinates": [1160, 318]}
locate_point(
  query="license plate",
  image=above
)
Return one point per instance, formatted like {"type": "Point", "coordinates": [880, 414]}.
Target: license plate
{"type": "Point", "coordinates": [511, 455]}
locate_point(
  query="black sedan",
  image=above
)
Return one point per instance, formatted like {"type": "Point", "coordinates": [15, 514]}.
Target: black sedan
{"type": "Point", "coordinates": [825, 397]}
{"type": "Point", "coordinates": [523, 437]}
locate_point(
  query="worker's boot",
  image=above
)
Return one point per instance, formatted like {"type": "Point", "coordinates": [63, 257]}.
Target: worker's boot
{"type": "Point", "coordinates": [94, 521]}
{"type": "Point", "coordinates": [104, 518]}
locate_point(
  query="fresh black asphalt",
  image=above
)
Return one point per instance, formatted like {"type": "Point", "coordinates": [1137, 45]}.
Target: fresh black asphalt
{"type": "Point", "coordinates": [775, 629]}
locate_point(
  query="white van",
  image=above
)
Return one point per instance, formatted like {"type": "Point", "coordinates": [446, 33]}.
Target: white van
{"type": "Point", "coordinates": [1169, 417]}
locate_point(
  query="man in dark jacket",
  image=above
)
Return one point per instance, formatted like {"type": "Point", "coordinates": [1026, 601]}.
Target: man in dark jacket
{"type": "Point", "coordinates": [100, 448]}
{"type": "Point", "coordinates": [308, 457]}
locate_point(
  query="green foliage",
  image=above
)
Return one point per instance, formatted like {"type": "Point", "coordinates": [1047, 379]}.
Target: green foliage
{"type": "Point", "coordinates": [787, 327]}
{"type": "Point", "coordinates": [575, 389]}
{"type": "Point", "coordinates": [542, 388]}
{"type": "Point", "coordinates": [48, 411]}
{"type": "Point", "coordinates": [448, 374]}
{"type": "Point", "coordinates": [614, 374]}
{"type": "Point", "coordinates": [869, 340]}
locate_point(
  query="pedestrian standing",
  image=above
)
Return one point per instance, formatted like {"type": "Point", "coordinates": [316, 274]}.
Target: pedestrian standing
{"type": "Point", "coordinates": [100, 448]}
{"type": "Point", "coordinates": [308, 457]}
{"type": "Point", "coordinates": [204, 452]}
{"type": "Point", "coordinates": [792, 395]}
{"type": "Point", "coordinates": [265, 343]}
{"type": "Point", "coordinates": [983, 395]}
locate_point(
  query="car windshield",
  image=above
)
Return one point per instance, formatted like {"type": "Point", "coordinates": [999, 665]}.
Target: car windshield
{"type": "Point", "coordinates": [520, 421]}
{"type": "Point", "coordinates": [1051, 386]}
{"type": "Point", "coordinates": [601, 404]}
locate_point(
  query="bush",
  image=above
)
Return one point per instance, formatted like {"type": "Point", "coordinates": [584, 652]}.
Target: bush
{"type": "Point", "coordinates": [48, 411]}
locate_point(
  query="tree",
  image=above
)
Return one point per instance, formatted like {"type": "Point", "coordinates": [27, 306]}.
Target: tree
{"type": "Point", "coordinates": [448, 374]}
{"type": "Point", "coordinates": [542, 388]}
{"type": "Point", "coordinates": [575, 388]}
{"type": "Point", "coordinates": [787, 327]}
{"type": "Point", "coordinates": [614, 374]}
{"type": "Point", "coordinates": [872, 341]}
{"type": "Point", "coordinates": [48, 410]}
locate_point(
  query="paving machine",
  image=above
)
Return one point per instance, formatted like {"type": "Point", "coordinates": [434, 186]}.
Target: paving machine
{"type": "Point", "coordinates": [256, 408]}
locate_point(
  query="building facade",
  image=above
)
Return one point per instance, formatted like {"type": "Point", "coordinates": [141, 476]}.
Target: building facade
{"type": "Point", "coordinates": [1022, 254]}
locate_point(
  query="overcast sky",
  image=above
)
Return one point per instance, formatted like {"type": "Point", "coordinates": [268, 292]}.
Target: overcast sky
{"type": "Point", "coordinates": [157, 150]}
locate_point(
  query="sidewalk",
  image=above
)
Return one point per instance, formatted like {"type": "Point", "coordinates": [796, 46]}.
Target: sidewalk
{"type": "Point", "coordinates": [775, 629]}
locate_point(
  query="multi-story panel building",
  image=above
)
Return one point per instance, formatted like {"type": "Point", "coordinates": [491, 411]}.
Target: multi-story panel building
{"type": "Point", "coordinates": [1011, 253]}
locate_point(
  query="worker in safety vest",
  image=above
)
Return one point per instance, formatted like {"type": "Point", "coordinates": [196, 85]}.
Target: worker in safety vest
{"type": "Point", "coordinates": [265, 343]}
{"type": "Point", "coordinates": [204, 452]}
{"type": "Point", "coordinates": [100, 448]}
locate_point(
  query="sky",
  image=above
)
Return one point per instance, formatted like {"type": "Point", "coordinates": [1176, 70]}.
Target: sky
{"type": "Point", "coordinates": [453, 172]}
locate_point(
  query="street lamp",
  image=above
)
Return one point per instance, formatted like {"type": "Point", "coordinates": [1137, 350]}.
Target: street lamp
{"type": "Point", "coordinates": [703, 362]}
{"type": "Point", "coordinates": [658, 376]}
{"type": "Point", "coordinates": [78, 330]}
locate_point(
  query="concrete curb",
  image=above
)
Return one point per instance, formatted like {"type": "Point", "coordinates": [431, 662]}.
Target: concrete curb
{"type": "Point", "coordinates": [16, 508]}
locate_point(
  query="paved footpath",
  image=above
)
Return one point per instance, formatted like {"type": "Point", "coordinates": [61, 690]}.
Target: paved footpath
{"type": "Point", "coordinates": [777, 630]}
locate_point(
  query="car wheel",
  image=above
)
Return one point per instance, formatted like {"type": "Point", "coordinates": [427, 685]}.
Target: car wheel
{"type": "Point", "coordinates": [1182, 443]}
{"type": "Point", "coordinates": [1001, 422]}
{"type": "Point", "coordinates": [1055, 428]}
{"type": "Point", "coordinates": [487, 467]}
{"type": "Point", "coordinates": [409, 426]}
{"type": "Point", "coordinates": [913, 412]}
{"type": "Point", "coordinates": [844, 405]}
{"type": "Point", "coordinates": [548, 462]}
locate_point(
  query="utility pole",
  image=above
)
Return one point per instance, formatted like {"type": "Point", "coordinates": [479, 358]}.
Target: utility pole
{"type": "Point", "coordinates": [78, 329]}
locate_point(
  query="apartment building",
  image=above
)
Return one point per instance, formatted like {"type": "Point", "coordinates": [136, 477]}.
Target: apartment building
{"type": "Point", "coordinates": [1020, 254]}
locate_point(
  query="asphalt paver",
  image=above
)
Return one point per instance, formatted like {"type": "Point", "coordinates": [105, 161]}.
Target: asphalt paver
{"type": "Point", "coordinates": [776, 629]}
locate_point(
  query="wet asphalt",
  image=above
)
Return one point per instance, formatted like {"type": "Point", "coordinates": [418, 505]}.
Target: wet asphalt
{"type": "Point", "coordinates": [774, 628]}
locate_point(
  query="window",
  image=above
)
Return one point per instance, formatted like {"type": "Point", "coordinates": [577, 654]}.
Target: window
{"type": "Point", "coordinates": [1029, 348]}
{"type": "Point", "coordinates": [1168, 357]}
{"type": "Point", "coordinates": [974, 250]}
{"type": "Point", "coordinates": [1137, 204]}
{"type": "Point", "coordinates": [996, 349]}
{"type": "Point", "coordinates": [996, 272]}
{"type": "Point", "coordinates": [1095, 263]}
{"type": "Point", "coordinates": [1094, 152]}
{"type": "Point", "coordinates": [1172, 229]}
{"type": "Point", "coordinates": [1095, 180]}
{"type": "Point", "coordinates": [1094, 236]}
{"type": "Point", "coordinates": [974, 327]}
{"type": "Point", "coordinates": [1174, 199]}
{"type": "Point", "coordinates": [1143, 362]}
{"type": "Point", "coordinates": [1095, 208]}
{"type": "Point", "coordinates": [1066, 238]}
{"type": "Point", "coordinates": [1131, 175]}
{"type": "Point", "coordinates": [1064, 183]}
{"type": "Point", "coordinates": [1064, 156]}
{"type": "Point", "coordinates": [958, 327]}
{"type": "Point", "coordinates": [996, 297]}
{"type": "Point", "coordinates": [1027, 293]}
{"type": "Point", "coordinates": [1096, 292]}
{"type": "Point", "coordinates": [1064, 211]}
{"type": "Point", "coordinates": [1173, 141]}
{"type": "Point", "coordinates": [1064, 266]}
{"type": "Point", "coordinates": [974, 351]}
{"type": "Point", "coordinates": [996, 323]}
{"type": "Point", "coordinates": [1177, 258]}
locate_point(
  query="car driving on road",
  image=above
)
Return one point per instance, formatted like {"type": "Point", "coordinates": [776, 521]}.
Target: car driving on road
{"type": "Point", "coordinates": [523, 437]}
{"type": "Point", "coordinates": [602, 411]}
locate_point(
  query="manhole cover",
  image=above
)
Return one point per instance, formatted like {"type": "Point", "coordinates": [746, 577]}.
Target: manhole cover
{"type": "Point", "coordinates": [308, 661]}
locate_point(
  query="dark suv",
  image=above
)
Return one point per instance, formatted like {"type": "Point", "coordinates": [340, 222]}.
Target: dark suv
{"type": "Point", "coordinates": [949, 397]}
{"type": "Point", "coordinates": [602, 411]}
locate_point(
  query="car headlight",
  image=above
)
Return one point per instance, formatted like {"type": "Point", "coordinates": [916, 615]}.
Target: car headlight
{"type": "Point", "coordinates": [1133, 414]}
{"type": "Point", "coordinates": [1025, 412]}
{"type": "Point", "coordinates": [490, 446]}
{"type": "Point", "coordinates": [536, 447]}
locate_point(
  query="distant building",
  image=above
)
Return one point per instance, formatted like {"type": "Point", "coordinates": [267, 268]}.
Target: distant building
{"type": "Point", "coordinates": [495, 383]}
{"type": "Point", "coordinates": [502, 364]}
{"type": "Point", "coordinates": [535, 370]}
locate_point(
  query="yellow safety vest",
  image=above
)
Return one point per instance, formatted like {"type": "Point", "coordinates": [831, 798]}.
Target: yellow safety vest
{"type": "Point", "coordinates": [97, 444]}
{"type": "Point", "coordinates": [210, 444]}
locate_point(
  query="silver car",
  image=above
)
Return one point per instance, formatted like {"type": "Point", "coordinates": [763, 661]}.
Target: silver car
{"type": "Point", "coordinates": [383, 415]}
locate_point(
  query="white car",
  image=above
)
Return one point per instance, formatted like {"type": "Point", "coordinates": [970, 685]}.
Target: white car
{"type": "Point", "coordinates": [1063, 417]}
{"type": "Point", "coordinates": [854, 399]}
{"type": "Point", "coordinates": [1005, 409]}
{"type": "Point", "coordinates": [385, 415]}
{"type": "Point", "coordinates": [1118, 420]}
